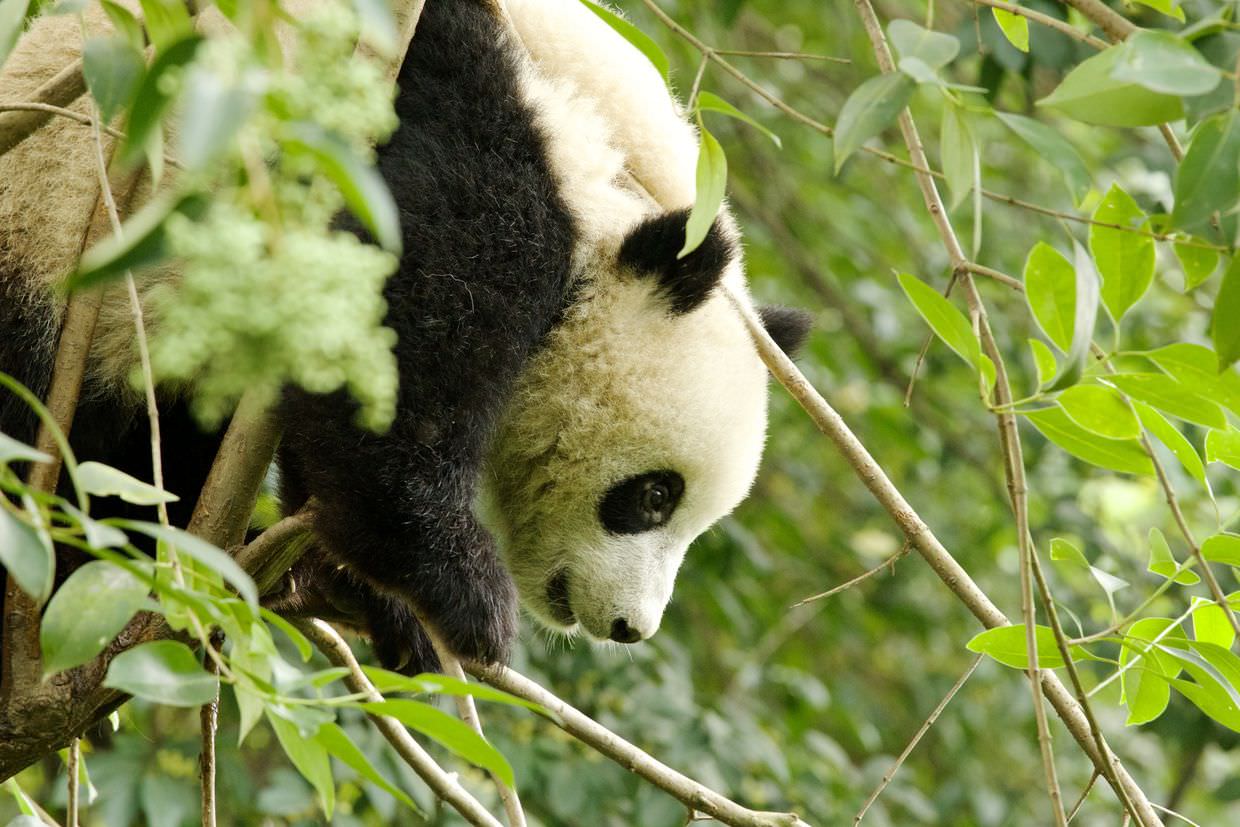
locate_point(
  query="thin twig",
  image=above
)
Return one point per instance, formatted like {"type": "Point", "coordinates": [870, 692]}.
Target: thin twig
{"type": "Point", "coordinates": [60, 90]}
{"type": "Point", "coordinates": [84, 120]}
{"type": "Point", "coordinates": [1173, 503]}
{"type": "Point", "coordinates": [1046, 20]}
{"type": "Point", "coordinates": [691, 793]}
{"type": "Point", "coordinates": [991, 273]}
{"type": "Point", "coordinates": [71, 804]}
{"type": "Point", "coordinates": [889, 563]}
{"type": "Point", "coordinates": [208, 725]}
{"type": "Point", "coordinates": [917, 736]}
{"type": "Point", "coordinates": [1089, 785]}
{"type": "Point", "coordinates": [781, 55]}
{"type": "Point", "coordinates": [1007, 424]}
{"type": "Point", "coordinates": [468, 712]}
{"type": "Point", "coordinates": [445, 785]}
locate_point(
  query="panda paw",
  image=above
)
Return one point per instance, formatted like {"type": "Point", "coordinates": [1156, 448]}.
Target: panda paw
{"type": "Point", "coordinates": [473, 609]}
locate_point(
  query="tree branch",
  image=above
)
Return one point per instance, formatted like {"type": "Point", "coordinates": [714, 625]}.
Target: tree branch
{"type": "Point", "coordinates": [445, 785]}
{"type": "Point", "coordinates": [62, 89]}
{"type": "Point", "coordinates": [598, 737]}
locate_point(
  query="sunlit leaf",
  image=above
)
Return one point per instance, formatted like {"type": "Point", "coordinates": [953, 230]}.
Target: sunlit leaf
{"type": "Point", "coordinates": [1224, 447]}
{"type": "Point", "coordinates": [13, 451]}
{"type": "Point", "coordinates": [452, 733]}
{"type": "Point", "coordinates": [1116, 454]}
{"type": "Point", "coordinates": [1100, 409]}
{"type": "Point", "coordinates": [1043, 360]}
{"type": "Point", "coordinates": [710, 102]}
{"type": "Point", "coordinates": [639, 39]}
{"type": "Point", "coordinates": [1007, 645]}
{"type": "Point", "coordinates": [87, 612]}
{"type": "Point", "coordinates": [332, 738]}
{"type": "Point", "coordinates": [1196, 367]}
{"type": "Point", "coordinates": [1084, 317]}
{"type": "Point", "coordinates": [869, 110]}
{"type": "Point", "coordinates": [1168, 7]}
{"type": "Point", "coordinates": [712, 180]}
{"type": "Point", "coordinates": [1222, 548]}
{"type": "Point", "coordinates": [1175, 442]}
{"type": "Point", "coordinates": [388, 682]}
{"type": "Point", "coordinates": [163, 671]}
{"type": "Point", "coordinates": [153, 97]}
{"type": "Point", "coordinates": [1198, 263]}
{"type": "Point", "coordinates": [1125, 260]}
{"type": "Point", "coordinates": [202, 551]}
{"type": "Point", "coordinates": [1050, 289]}
{"type": "Point", "coordinates": [1062, 549]}
{"type": "Point", "coordinates": [101, 480]}
{"type": "Point", "coordinates": [1090, 94]}
{"type": "Point", "coordinates": [1171, 397]}
{"type": "Point", "coordinates": [1210, 625]}
{"type": "Point", "coordinates": [1162, 62]}
{"type": "Point", "coordinates": [167, 21]}
{"type": "Point", "coordinates": [1014, 27]}
{"type": "Point", "coordinates": [309, 757]}
{"type": "Point", "coordinates": [1162, 561]}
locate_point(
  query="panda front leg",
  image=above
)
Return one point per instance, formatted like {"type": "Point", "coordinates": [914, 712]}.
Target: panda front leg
{"type": "Point", "coordinates": [398, 513]}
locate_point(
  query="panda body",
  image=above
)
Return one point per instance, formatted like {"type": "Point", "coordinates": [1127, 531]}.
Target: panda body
{"type": "Point", "coordinates": [562, 374]}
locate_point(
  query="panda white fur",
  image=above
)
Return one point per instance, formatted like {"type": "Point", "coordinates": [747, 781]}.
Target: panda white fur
{"type": "Point", "coordinates": [574, 400]}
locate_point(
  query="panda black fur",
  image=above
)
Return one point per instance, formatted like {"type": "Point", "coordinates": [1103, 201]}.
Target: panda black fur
{"type": "Point", "coordinates": [523, 384]}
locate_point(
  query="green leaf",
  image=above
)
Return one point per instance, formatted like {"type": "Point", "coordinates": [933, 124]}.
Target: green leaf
{"type": "Point", "coordinates": [1014, 27]}
{"type": "Point", "coordinates": [202, 551]}
{"type": "Point", "coordinates": [1196, 367]}
{"type": "Point", "coordinates": [163, 671]}
{"type": "Point", "coordinates": [1116, 454]}
{"type": "Point", "coordinates": [1222, 548]}
{"type": "Point", "coordinates": [1220, 48]}
{"type": "Point", "coordinates": [304, 647]}
{"type": "Point", "coordinates": [364, 191]}
{"type": "Point", "coordinates": [126, 25]}
{"type": "Point", "coordinates": [1210, 625]}
{"type": "Point", "coordinates": [309, 757]}
{"type": "Point", "coordinates": [27, 555]}
{"type": "Point", "coordinates": [388, 682]}
{"type": "Point", "coordinates": [452, 733]}
{"type": "Point", "coordinates": [1168, 7]}
{"type": "Point", "coordinates": [710, 102]}
{"type": "Point", "coordinates": [1146, 688]}
{"type": "Point", "coordinates": [712, 179]}
{"type": "Point", "coordinates": [1162, 561]}
{"type": "Point", "coordinates": [1208, 180]}
{"type": "Point", "coordinates": [332, 738]}
{"type": "Point", "coordinates": [1007, 645]}
{"type": "Point", "coordinates": [213, 112]}
{"type": "Point", "coordinates": [1162, 62]}
{"type": "Point", "coordinates": [1090, 94]}
{"type": "Point", "coordinates": [958, 152]}
{"type": "Point", "coordinates": [152, 100]}
{"type": "Point", "coordinates": [1043, 360]}
{"type": "Point", "coordinates": [1198, 263]}
{"type": "Point", "coordinates": [167, 21]}
{"type": "Point", "coordinates": [935, 49]}
{"type": "Point", "coordinates": [113, 69]}
{"type": "Point", "coordinates": [639, 39]}
{"type": "Point", "coordinates": [1176, 443]}
{"type": "Point", "coordinates": [1224, 447]}
{"type": "Point", "coordinates": [869, 110]}
{"type": "Point", "coordinates": [1171, 397]}
{"type": "Point", "coordinates": [13, 451]}
{"type": "Point", "coordinates": [101, 480]}
{"type": "Point", "coordinates": [1085, 316]}
{"type": "Point", "coordinates": [12, 21]}
{"type": "Point", "coordinates": [87, 612]}
{"type": "Point", "coordinates": [142, 243]}
{"type": "Point", "coordinates": [1052, 146]}
{"type": "Point", "coordinates": [1050, 289]}
{"type": "Point", "coordinates": [1062, 549]}
{"type": "Point", "coordinates": [1225, 323]}
{"type": "Point", "coordinates": [1101, 410]}
{"type": "Point", "coordinates": [1125, 260]}
{"type": "Point", "coordinates": [948, 323]}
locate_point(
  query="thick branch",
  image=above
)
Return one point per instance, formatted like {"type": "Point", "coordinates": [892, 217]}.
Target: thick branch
{"type": "Point", "coordinates": [593, 734]}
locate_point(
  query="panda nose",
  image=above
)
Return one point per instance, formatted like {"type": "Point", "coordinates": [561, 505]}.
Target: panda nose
{"type": "Point", "coordinates": [622, 632]}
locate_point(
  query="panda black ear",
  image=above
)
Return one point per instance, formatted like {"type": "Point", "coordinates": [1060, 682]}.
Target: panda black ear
{"type": "Point", "coordinates": [788, 326]}
{"type": "Point", "coordinates": [651, 249]}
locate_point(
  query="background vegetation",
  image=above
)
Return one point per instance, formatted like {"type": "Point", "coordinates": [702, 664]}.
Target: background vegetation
{"type": "Point", "coordinates": [804, 708]}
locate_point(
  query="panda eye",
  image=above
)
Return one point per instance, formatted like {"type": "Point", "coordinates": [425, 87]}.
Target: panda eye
{"type": "Point", "coordinates": [641, 503]}
{"type": "Point", "coordinates": [655, 498]}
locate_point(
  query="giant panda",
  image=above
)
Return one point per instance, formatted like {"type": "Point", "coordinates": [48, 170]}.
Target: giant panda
{"type": "Point", "coordinates": [576, 403]}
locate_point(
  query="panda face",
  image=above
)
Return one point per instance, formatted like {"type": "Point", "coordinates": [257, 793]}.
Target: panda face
{"type": "Point", "coordinates": [637, 426]}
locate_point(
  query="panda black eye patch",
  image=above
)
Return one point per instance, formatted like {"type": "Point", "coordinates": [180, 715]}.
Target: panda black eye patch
{"type": "Point", "coordinates": [641, 503]}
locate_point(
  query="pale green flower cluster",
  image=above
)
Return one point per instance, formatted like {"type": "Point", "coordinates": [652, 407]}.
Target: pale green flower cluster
{"type": "Point", "coordinates": [269, 294]}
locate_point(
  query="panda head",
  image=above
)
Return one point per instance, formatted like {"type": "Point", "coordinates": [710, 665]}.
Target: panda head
{"type": "Point", "coordinates": [638, 425]}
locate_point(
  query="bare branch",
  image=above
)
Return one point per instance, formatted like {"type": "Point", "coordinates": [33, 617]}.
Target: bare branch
{"type": "Point", "coordinates": [444, 784]}
{"type": "Point", "coordinates": [888, 564]}
{"type": "Point", "coordinates": [71, 776]}
{"type": "Point", "coordinates": [916, 739]}
{"type": "Point", "coordinates": [59, 91]}
{"type": "Point", "coordinates": [593, 734]}
{"type": "Point", "coordinates": [1046, 20]}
